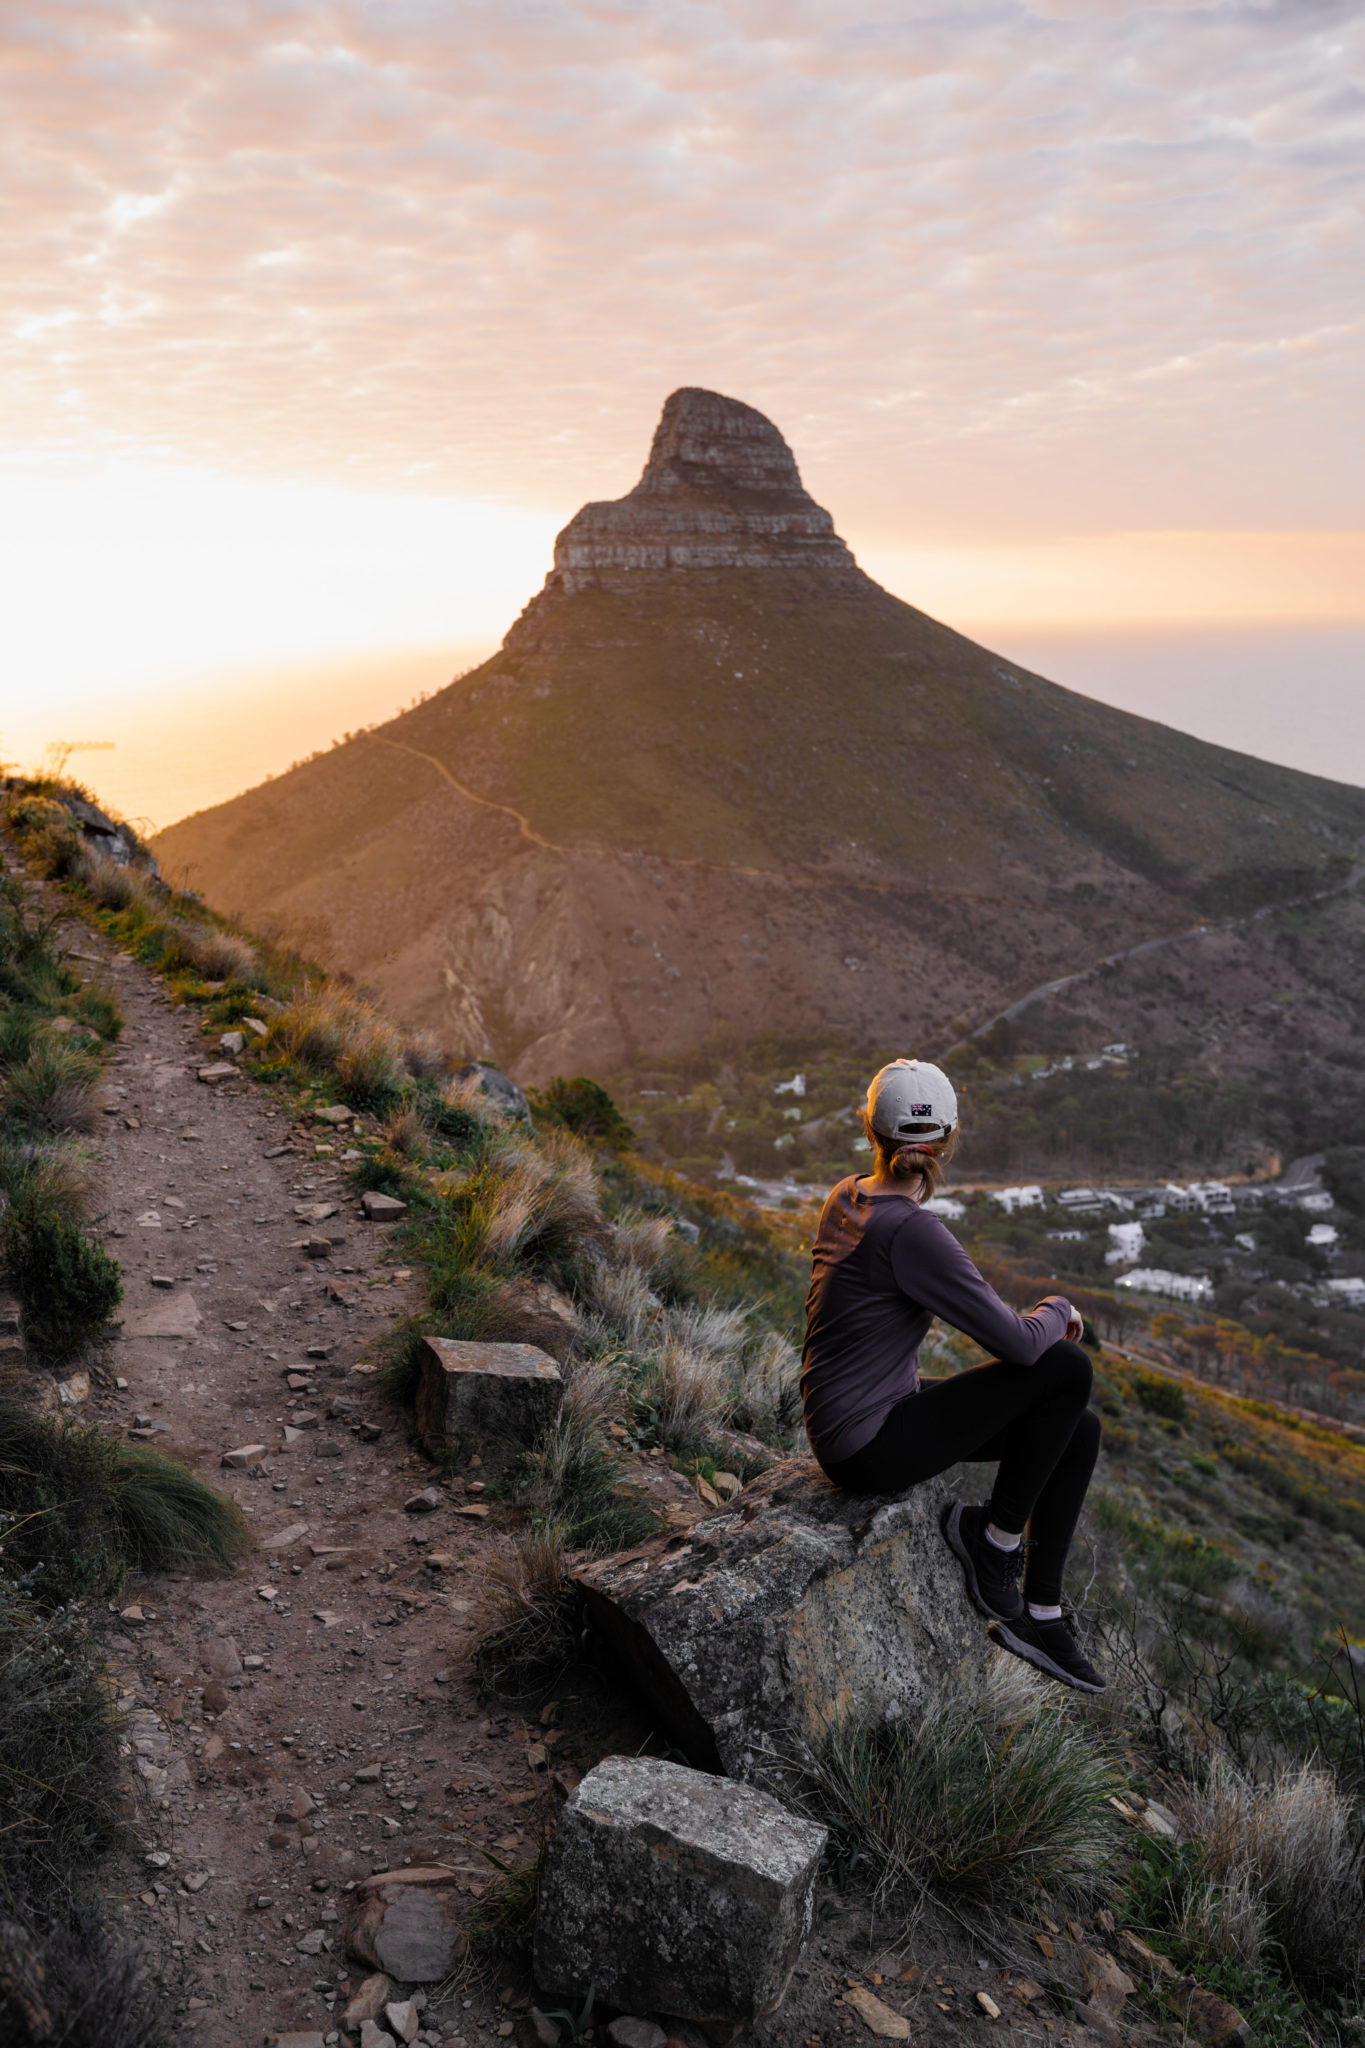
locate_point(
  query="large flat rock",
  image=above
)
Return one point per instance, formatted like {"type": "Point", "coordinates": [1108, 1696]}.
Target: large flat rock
{"type": "Point", "coordinates": [796, 1607]}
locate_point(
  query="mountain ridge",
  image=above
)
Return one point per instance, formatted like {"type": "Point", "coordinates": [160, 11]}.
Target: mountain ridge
{"type": "Point", "coordinates": [716, 774]}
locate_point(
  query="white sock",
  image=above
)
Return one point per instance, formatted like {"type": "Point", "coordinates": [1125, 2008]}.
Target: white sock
{"type": "Point", "coordinates": [1044, 1613]}
{"type": "Point", "coordinates": [1001, 1538]}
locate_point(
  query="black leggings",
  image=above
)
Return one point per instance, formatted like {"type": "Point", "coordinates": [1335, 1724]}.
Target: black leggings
{"type": "Point", "coordinates": [1033, 1418]}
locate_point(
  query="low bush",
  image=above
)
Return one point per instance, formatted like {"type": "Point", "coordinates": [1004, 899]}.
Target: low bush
{"type": "Point", "coordinates": [52, 840]}
{"type": "Point", "coordinates": [991, 1797]}
{"type": "Point", "coordinates": [68, 1284]}
{"type": "Point", "coordinates": [585, 1108]}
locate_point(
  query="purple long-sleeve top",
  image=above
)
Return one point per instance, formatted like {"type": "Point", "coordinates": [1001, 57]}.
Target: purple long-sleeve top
{"type": "Point", "coordinates": [883, 1269]}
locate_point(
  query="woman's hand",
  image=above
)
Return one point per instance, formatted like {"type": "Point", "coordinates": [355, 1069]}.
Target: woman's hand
{"type": "Point", "coordinates": [1075, 1329]}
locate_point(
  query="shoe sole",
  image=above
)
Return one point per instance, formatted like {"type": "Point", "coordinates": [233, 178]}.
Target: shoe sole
{"type": "Point", "coordinates": [952, 1536]}
{"type": "Point", "coordinates": [999, 1632]}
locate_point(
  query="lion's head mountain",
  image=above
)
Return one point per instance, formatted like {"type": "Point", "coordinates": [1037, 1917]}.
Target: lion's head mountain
{"type": "Point", "coordinates": [716, 775]}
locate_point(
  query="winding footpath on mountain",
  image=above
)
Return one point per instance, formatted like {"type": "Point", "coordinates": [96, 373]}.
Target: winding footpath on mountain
{"type": "Point", "coordinates": [1224, 924]}
{"type": "Point", "coordinates": [312, 1716]}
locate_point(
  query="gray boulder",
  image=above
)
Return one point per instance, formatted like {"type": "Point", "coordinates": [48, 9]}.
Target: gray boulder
{"type": "Point", "coordinates": [675, 1892]}
{"type": "Point", "coordinates": [511, 1391]}
{"type": "Point", "coordinates": [498, 1086]}
{"type": "Point", "coordinates": [789, 1610]}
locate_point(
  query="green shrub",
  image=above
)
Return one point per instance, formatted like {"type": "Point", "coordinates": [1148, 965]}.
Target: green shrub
{"type": "Point", "coordinates": [50, 836]}
{"type": "Point", "coordinates": [585, 1108]}
{"type": "Point", "coordinates": [68, 1284]}
{"type": "Point", "coordinates": [990, 1797]}
{"type": "Point", "coordinates": [1161, 1396]}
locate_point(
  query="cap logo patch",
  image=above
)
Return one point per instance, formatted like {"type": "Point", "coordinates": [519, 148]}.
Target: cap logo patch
{"type": "Point", "coordinates": [921, 1109]}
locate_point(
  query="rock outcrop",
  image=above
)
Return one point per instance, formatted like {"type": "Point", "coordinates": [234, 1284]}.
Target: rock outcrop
{"type": "Point", "coordinates": [720, 490]}
{"type": "Point", "coordinates": [672, 1892]}
{"type": "Point", "coordinates": [793, 1608]}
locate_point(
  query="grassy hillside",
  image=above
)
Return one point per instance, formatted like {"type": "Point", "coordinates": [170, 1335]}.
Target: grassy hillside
{"type": "Point", "coordinates": [1219, 1566]}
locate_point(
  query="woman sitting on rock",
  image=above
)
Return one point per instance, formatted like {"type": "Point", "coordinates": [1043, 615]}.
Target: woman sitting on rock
{"type": "Point", "coordinates": [884, 1268]}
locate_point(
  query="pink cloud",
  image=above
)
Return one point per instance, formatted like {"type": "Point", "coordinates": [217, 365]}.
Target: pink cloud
{"type": "Point", "coordinates": [1040, 265]}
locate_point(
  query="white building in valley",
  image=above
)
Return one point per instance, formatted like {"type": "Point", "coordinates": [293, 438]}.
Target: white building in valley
{"type": "Point", "coordinates": [1175, 1286]}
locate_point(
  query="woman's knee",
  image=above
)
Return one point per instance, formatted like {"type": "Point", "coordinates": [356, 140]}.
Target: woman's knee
{"type": "Point", "coordinates": [1068, 1370]}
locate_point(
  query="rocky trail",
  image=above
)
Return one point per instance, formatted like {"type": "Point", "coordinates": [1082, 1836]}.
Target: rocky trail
{"type": "Point", "coordinates": [314, 1717]}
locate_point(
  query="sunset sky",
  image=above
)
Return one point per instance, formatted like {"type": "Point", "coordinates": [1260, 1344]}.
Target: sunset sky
{"type": "Point", "coordinates": [319, 320]}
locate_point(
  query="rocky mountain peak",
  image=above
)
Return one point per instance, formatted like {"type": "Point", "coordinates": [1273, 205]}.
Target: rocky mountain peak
{"type": "Point", "coordinates": [710, 443]}
{"type": "Point", "coordinates": [720, 490]}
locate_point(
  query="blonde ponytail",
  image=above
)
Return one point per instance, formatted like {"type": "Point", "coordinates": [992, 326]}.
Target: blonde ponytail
{"type": "Point", "coordinates": [919, 1164]}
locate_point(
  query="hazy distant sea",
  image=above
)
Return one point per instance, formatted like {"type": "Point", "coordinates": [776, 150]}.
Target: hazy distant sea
{"type": "Point", "coordinates": [1290, 694]}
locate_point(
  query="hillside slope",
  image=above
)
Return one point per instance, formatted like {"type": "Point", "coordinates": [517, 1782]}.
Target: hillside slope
{"type": "Point", "coordinates": [716, 774]}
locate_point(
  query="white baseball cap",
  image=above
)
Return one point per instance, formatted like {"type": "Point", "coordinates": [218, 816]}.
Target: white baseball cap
{"type": "Point", "coordinates": [911, 1099]}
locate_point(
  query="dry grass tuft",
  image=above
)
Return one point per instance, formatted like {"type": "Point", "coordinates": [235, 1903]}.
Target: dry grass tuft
{"type": "Point", "coordinates": [767, 1399]}
{"type": "Point", "coordinates": [529, 1610]}
{"type": "Point", "coordinates": [204, 950]}
{"type": "Point", "coordinates": [113, 884]}
{"type": "Point", "coordinates": [54, 1088]}
{"type": "Point", "coordinates": [405, 1134]}
{"type": "Point", "coordinates": [1292, 1842]}
{"type": "Point", "coordinates": [992, 1797]}
{"type": "Point", "coordinates": [537, 1204]}
{"type": "Point", "coordinates": [424, 1056]}
{"type": "Point", "coordinates": [341, 1034]}
{"type": "Point", "coordinates": [689, 1383]}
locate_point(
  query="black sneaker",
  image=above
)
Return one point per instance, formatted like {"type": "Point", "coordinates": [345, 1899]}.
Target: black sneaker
{"type": "Point", "coordinates": [991, 1572]}
{"type": "Point", "coordinates": [1051, 1647]}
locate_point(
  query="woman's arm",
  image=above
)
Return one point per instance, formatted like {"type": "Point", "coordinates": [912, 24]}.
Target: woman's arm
{"type": "Point", "coordinates": [930, 1266]}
